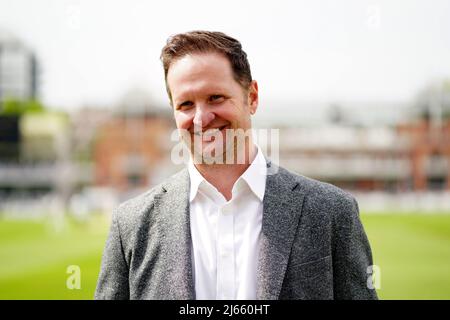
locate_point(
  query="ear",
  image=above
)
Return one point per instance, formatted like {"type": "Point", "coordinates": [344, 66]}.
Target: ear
{"type": "Point", "coordinates": [253, 97]}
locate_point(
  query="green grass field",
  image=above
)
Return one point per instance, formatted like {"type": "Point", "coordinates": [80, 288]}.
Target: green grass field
{"type": "Point", "coordinates": [34, 258]}
{"type": "Point", "coordinates": [412, 251]}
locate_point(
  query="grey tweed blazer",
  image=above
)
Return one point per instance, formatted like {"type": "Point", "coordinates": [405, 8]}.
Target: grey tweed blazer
{"type": "Point", "coordinates": [313, 245]}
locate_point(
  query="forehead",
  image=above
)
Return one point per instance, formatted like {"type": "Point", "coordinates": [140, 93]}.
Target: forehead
{"type": "Point", "coordinates": [198, 72]}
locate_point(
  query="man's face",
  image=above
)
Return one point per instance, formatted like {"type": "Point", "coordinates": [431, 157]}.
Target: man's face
{"type": "Point", "coordinates": [207, 100]}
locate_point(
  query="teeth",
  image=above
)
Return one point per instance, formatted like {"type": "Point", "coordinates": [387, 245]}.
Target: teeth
{"type": "Point", "coordinates": [209, 132]}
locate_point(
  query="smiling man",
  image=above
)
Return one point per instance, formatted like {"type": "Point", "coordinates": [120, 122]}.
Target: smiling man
{"type": "Point", "coordinates": [231, 227]}
{"type": "Point", "coordinates": [210, 104]}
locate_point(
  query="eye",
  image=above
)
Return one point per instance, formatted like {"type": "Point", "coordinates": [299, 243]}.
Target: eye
{"type": "Point", "coordinates": [216, 98]}
{"type": "Point", "coordinates": [185, 105]}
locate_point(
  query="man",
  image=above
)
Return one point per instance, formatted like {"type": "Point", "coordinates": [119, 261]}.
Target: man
{"type": "Point", "coordinates": [229, 229]}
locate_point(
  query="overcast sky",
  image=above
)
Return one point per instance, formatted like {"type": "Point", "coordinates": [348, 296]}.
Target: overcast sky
{"type": "Point", "coordinates": [92, 52]}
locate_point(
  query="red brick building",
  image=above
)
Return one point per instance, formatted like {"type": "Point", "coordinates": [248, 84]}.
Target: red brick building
{"type": "Point", "coordinates": [128, 149]}
{"type": "Point", "coordinates": [429, 153]}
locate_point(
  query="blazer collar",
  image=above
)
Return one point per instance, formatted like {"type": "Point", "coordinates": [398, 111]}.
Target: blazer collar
{"type": "Point", "coordinates": [174, 203]}
{"type": "Point", "coordinates": [282, 206]}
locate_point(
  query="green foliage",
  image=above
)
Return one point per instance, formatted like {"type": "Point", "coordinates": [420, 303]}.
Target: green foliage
{"type": "Point", "coordinates": [19, 107]}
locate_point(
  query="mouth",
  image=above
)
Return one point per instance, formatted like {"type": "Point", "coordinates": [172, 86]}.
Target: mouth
{"type": "Point", "coordinates": [208, 134]}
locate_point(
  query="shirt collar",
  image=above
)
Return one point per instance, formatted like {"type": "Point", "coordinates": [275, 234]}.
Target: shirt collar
{"type": "Point", "coordinates": [254, 176]}
{"type": "Point", "coordinates": [196, 179]}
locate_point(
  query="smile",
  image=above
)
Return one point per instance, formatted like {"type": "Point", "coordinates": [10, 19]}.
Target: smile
{"type": "Point", "coordinates": [210, 132]}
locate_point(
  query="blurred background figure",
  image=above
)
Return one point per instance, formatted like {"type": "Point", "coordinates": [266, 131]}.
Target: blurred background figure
{"type": "Point", "coordinates": [360, 93]}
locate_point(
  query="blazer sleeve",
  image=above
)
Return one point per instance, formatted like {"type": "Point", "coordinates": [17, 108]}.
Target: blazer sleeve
{"type": "Point", "coordinates": [113, 278]}
{"type": "Point", "coordinates": [352, 256]}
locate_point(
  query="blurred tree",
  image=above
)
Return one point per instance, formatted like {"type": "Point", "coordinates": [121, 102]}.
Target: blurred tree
{"type": "Point", "coordinates": [13, 106]}
{"type": "Point", "coordinates": [433, 101]}
{"type": "Point", "coordinates": [446, 98]}
{"type": "Point", "coordinates": [336, 114]}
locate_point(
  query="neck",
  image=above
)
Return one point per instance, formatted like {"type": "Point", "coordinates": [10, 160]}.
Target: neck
{"type": "Point", "coordinates": [223, 176]}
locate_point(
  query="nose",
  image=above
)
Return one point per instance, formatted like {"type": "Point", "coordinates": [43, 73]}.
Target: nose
{"type": "Point", "coordinates": [203, 117]}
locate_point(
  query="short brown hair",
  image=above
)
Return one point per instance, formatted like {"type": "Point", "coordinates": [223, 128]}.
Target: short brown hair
{"type": "Point", "coordinates": [182, 44]}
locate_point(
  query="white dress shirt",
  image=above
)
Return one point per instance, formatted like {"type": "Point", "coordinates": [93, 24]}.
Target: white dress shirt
{"type": "Point", "coordinates": [226, 234]}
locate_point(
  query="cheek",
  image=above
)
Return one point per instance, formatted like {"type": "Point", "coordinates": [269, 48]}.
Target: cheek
{"type": "Point", "coordinates": [229, 113]}
{"type": "Point", "coordinates": [183, 120]}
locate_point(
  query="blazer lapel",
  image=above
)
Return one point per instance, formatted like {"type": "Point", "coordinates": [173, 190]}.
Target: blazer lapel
{"type": "Point", "coordinates": [282, 207]}
{"type": "Point", "coordinates": [174, 202]}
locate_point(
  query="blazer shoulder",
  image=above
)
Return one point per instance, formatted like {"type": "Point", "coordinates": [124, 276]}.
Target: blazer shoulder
{"type": "Point", "coordinates": [322, 195]}
{"type": "Point", "coordinates": [135, 209]}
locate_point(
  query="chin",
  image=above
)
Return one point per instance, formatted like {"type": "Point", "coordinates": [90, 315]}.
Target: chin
{"type": "Point", "coordinates": [209, 154]}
